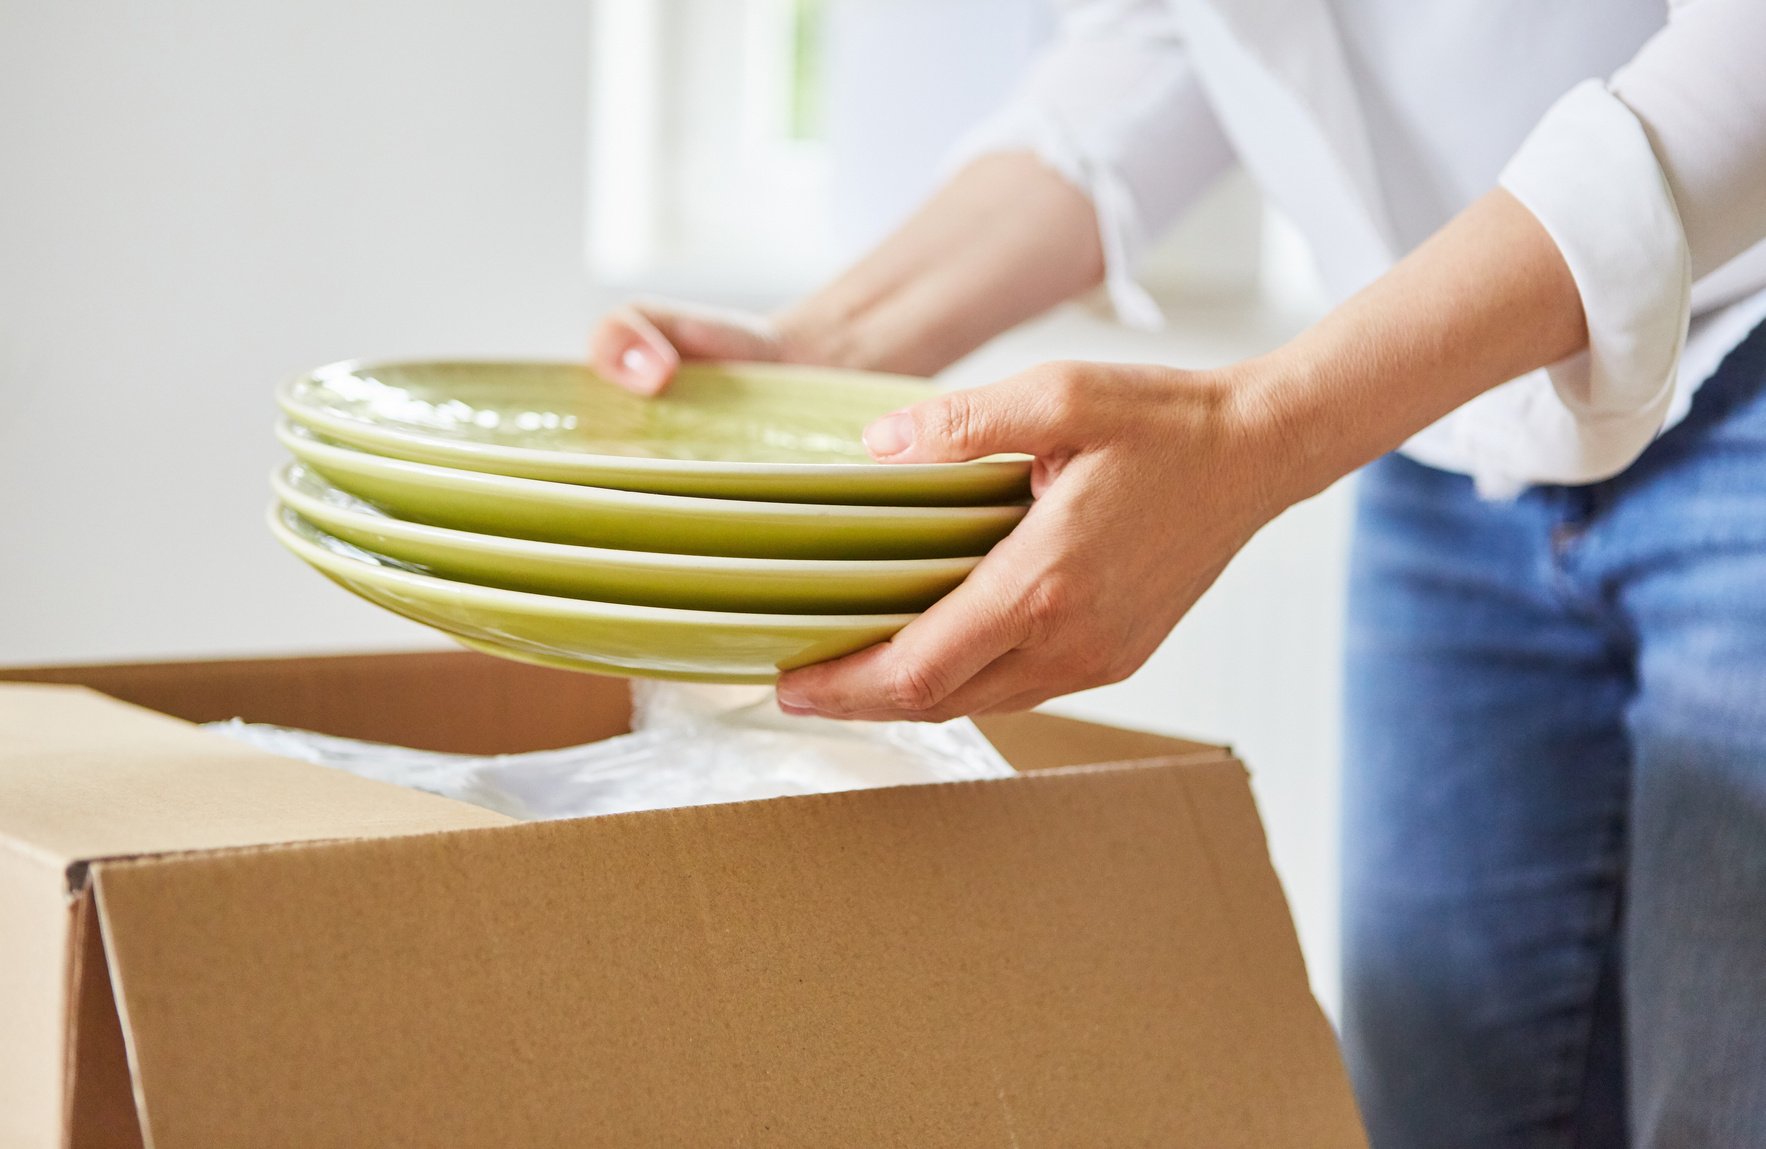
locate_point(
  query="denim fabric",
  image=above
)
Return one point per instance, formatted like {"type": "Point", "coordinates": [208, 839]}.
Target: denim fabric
{"type": "Point", "coordinates": [1555, 798]}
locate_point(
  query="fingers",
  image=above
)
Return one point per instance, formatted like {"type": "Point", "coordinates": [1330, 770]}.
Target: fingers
{"type": "Point", "coordinates": [714, 333]}
{"type": "Point", "coordinates": [1088, 584]}
{"type": "Point", "coordinates": [628, 348]}
{"type": "Point", "coordinates": [930, 660]}
{"type": "Point", "coordinates": [640, 346]}
{"type": "Point", "coordinates": [960, 654]}
{"type": "Point", "coordinates": [1033, 413]}
{"type": "Point", "coordinates": [1004, 679]}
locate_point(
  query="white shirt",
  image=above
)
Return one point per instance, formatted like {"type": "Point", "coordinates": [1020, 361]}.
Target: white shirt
{"type": "Point", "coordinates": [1635, 130]}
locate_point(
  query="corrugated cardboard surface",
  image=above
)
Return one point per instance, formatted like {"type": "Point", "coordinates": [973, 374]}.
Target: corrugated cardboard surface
{"type": "Point", "coordinates": [84, 776]}
{"type": "Point", "coordinates": [33, 970]}
{"type": "Point", "coordinates": [1095, 957]}
{"type": "Point", "coordinates": [1044, 741]}
{"type": "Point", "coordinates": [100, 1110]}
{"type": "Point", "coordinates": [1088, 957]}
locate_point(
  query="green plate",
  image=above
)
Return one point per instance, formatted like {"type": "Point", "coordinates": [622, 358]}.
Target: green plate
{"type": "Point", "coordinates": [632, 520]}
{"type": "Point", "coordinates": [647, 578]}
{"type": "Point", "coordinates": [603, 637]}
{"type": "Point", "coordinates": [723, 430]}
{"type": "Point", "coordinates": [590, 666]}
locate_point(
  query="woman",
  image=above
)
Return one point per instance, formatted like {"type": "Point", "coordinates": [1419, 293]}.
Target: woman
{"type": "Point", "coordinates": [1545, 225]}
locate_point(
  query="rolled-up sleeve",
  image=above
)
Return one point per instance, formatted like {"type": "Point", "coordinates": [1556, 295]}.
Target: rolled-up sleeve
{"type": "Point", "coordinates": [1699, 90]}
{"type": "Point", "coordinates": [1114, 106]}
{"type": "Point", "coordinates": [1646, 182]}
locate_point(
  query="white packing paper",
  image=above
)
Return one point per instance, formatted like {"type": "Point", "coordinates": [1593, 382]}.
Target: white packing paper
{"type": "Point", "coordinates": [690, 745]}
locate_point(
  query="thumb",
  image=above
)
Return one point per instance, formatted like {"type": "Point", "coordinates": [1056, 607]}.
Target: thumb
{"type": "Point", "coordinates": [1017, 415]}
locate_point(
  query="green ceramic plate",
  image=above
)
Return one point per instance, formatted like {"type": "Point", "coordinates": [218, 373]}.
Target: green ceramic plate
{"type": "Point", "coordinates": [590, 666]}
{"type": "Point", "coordinates": [607, 638]}
{"type": "Point", "coordinates": [646, 578]}
{"type": "Point", "coordinates": [723, 430]}
{"type": "Point", "coordinates": [632, 520]}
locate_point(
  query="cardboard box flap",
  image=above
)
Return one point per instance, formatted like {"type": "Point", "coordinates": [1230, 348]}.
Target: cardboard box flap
{"type": "Point", "coordinates": [84, 776]}
{"type": "Point", "coordinates": [98, 1102]}
{"type": "Point", "coordinates": [34, 923]}
{"type": "Point", "coordinates": [1061, 958]}
{"type": "Point", "coordinates": [1034, 741]}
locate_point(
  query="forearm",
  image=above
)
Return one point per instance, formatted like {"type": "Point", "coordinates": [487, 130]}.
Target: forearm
{"type": "Point", "coordinates": [1003, 241]}
{"type": "Point", "coordinates": [1149, 479]}
{"type": "Point", "coordinates": [1486, 299]}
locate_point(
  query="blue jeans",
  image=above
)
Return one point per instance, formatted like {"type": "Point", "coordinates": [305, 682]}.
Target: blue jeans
{"type": "Point", "coordinates": [1555, 798]}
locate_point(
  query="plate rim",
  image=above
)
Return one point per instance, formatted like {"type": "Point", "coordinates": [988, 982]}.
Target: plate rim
{"type": "Point", "coordinates": [582, 609]}
{"type": "Point", "coordinates": [592, 666]}
{"type": "Point", "coordinates": [328, 423]}
{"type": "Point", "coordinates": [289, 434]}
{"type": "Point", "coordinates": [290, 495]}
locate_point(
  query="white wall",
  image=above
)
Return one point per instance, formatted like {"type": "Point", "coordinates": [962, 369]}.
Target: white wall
{"type": "Point", "coordinates": [198, 199]}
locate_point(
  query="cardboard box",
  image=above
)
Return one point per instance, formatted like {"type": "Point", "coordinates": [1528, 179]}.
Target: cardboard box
{"type": "Point", "coordinates": [202, 945]}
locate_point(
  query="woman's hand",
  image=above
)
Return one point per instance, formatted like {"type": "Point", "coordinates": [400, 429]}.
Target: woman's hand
{"type": "Point", "coordinates": [639, 346]}
{"type": "Point", "coordinates": [1150, 479]}
{"type": "Point", "coordinates": [1147, 480]}
{"type": "Point", "coordinates": [1005, 239]}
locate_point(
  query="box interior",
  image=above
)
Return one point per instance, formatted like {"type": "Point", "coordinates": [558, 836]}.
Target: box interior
{"type": "Point", "coordinates": [442, 700]}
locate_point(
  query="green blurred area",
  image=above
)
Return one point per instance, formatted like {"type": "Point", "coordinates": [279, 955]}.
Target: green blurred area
{"type": "Point", "coordinates": [808, 61]}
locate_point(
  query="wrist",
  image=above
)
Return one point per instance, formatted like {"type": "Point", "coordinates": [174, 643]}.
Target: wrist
{"type": "Point", "coordinates": [813, 332]}
{"type": "Point", "coordinates": [1284, 410]}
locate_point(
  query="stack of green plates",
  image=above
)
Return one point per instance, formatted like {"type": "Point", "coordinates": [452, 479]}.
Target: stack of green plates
{"type": "Point", "coordinates": [730, 529]}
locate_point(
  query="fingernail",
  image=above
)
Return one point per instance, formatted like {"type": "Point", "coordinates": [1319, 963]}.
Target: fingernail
{"type": "Point", "coordinates": [890, 435]}
{"type": "Point", "coordinates": [639, 364]}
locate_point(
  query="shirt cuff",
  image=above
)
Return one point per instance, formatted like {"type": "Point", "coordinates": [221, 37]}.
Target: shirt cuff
{"type": "Point", "coordinates": [1588, 174]}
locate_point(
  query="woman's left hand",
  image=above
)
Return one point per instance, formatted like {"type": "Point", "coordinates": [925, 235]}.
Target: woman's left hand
{"type": "Point", "coordinates": [1147, 481]}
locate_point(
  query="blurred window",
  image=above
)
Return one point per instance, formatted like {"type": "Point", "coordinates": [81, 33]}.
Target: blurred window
{"type": "Point", "coordinates": [743, 150]}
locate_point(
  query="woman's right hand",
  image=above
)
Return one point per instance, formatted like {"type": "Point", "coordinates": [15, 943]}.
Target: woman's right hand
{"type": "Point", "coordinates": [640, 345]}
